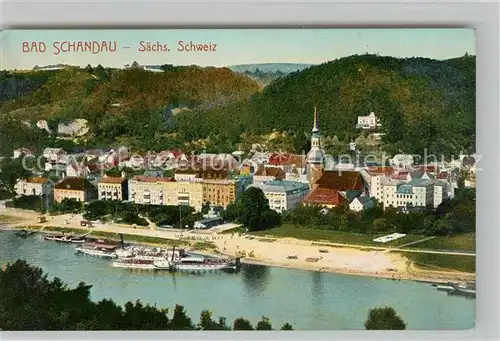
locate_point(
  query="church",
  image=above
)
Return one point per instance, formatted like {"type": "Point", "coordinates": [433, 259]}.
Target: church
{"type": "Point", "coordinates": [315, 159]}
{"type": "Point", "coordinates": [328, 188]}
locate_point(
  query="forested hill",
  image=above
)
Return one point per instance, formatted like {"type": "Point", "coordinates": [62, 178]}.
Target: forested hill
{"type": "Point", "coordinates": [422, 103]}
{"type": "Point", "coordinates": [120, 105]}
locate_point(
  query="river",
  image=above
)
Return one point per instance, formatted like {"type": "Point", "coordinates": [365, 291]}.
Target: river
{"type": "Point", "coordinates": [308, 300]}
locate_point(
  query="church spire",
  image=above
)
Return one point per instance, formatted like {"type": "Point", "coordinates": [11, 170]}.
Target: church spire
{"type": "Point", "coordinates": [315, 126]}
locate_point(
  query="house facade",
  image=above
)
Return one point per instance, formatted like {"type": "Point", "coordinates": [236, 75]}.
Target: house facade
{"type": "Point", "coordinates": [166, 191]}
{"type": "Point", "coordinates": [23, 151]}
{"type": "Point", "coordinates": [113, 188]}
{"type": "Point", "coordinates": [77, 170]}
{"type": "Point", "coordinates": [361, 203]}
{"type": "Point", "coordinates": [368, 122]}
{"type": "Point", "coordinates": [75, 188]}
{"type": "Point", "coordinates": [146, 190]}
{"type": "Point", "coordinates": [39, 186]}
{"type": "Point", "coordinates": [416, 193]}
{"type": "Point", "coordinates": [266, 174]}
{"type": "Point", "coordinates": [401, 161]}
{"type": "Point", "coordinates": [282, 194]}
{"type": "Point", "coordinates": [53, 154]}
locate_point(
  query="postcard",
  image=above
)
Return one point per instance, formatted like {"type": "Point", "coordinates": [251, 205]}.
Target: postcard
{"type": "Point", "coordinates": [237, 179]}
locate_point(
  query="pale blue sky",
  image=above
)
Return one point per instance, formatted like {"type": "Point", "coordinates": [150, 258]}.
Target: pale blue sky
{"type": "Point", "coordinates": [238, 46]}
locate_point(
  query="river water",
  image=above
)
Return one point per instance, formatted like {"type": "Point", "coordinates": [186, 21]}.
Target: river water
{"type": "Point", "coordinates": [309, 300]}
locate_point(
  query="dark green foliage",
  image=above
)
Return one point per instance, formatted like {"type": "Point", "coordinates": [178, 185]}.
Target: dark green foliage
{"type": "Point", "coordinates": [67, 206]}
{"type": "Point", "coordinates": [252, 210]}
{"type": "Point", "coordinates": [180, 321]}
{"type": "Point", "coordinates": [264, 324]}
{"type": "Point", "coordinates": [131, 214]}
{"type": "Point", "coordinates": [30, 301]}
{"type": "Point", "coordinates": [29, 202]}
{"type": "Point", "coordinates": [384, 318]}
{"type": "Point", "coordinates": [287, 326]}
{"type": "Point", "coordinates": [242, 324]}
{"type": "Point", "coordinates": [422, 103]}
{"type": "Point", "coordinates": [206, 322]}
{"type": "Point", "coordinates": [12, 170]}
{"type": "Point", "coordinates": [452, 217]}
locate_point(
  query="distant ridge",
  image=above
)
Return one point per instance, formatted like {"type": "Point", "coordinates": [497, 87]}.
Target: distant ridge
{"type": "Point", "coordinates": [270, 67]}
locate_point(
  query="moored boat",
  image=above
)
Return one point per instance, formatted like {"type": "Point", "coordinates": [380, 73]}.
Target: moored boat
{"type": "Point", "coordinates": [196, 264]}
{"type": "Point", "coordinates": [99, 250]}
{"type": "Point", "coordinates": [54, 237]}
{"type": "Point", "coordinates": [133, 263]}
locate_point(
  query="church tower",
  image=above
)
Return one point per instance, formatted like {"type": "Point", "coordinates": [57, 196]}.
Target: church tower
{"type": "Point", "coordinates": [316, 157]}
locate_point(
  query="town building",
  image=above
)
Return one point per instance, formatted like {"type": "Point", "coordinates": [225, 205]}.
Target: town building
{"type": "Point", "coordinates": [39, 186]}
{"type": "Point", "coordinates": [266, 174]}
{"type": "Point", "coordinates": [58, 165]}
{"type": "Point", "coordinates": [325, 197]}
{"type": "Point", "coordinates": [332, 188]}
{"type": "Point", "coordinates": [315, 159]}
{"type": "Point", "coordinates": [361, 203]}
{"type": "Point", "coordinates": [53, 154]}
{"type": "Point", "coordinates": [402, 161]}
{"type": "Point", "coordinates": [373, 178]}
{"type": "Point", "coordinates": [146, 190]}
{"type": "Point", "coordinates": [402, 194]}
{"type": "Point", "coordinates": [23, 152]}
{"type": "Point", "coordinates": [77, 170]}
{"type": "Point", "coordinates": [282, 194]}
{"type": "Point", "coordinates": [166, 191]}
{"type": "Point", "coordinates": [75, 188]}
{"type": "Point", "coordinates": [368, 122]}
{"type": "Point", "coordinates": [113, 188]}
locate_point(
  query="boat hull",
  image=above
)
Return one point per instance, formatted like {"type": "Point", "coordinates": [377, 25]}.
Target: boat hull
{"type": "Point", "coordinates": [96, 253]}
{"type": "Point", "coordinates": [133, 266]}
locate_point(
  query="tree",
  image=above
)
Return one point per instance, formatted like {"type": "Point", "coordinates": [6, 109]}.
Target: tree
{"type": "Point", "coordinates": [30, 301]}
{"type": "Point", "coordinates": [180, 321]}
{"type": "Point", "coordinates": [206, 322]}
{"type": "Point", "coordinates": [12, 170]}
{"type": "Point", "coordinates": [286, 326]}
{"type": "Point", "coordinates": [269, 219]}
{"type": "Point", "coordinates": [384, 318]}
{"type": "Point", "coordinates": [205, 208]}
{"type": "Point", "coordinates": [253, 204]}
{"type": "Point", "coordinates": [264, 324]}
{"type": "Point", "coordinates": [231, 213]}
{"type": "Point", "coordinates": [242, 324]}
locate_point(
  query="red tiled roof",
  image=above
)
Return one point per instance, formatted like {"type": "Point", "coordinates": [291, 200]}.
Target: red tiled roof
{"type": "Point", "coordinates": [111, 180]}
{"type": "Point", "coordinates": [75, 184]}
{"type": "Point", "coordinates": [270, 171]}
{"type": "Point", "coordinates": [340, 180]}
{"type": "Point", "coordinates": [380, 170]}
{"type": "Point", "coordinates": [400, 176]}
{"type": "Point", "coordinates": [282, 159]}
{"type": "Point", "coordinates": [152, 179]}
{"type": "Point", "coordinates": [430, 169]}
{"type": "Point", "coordinates": [323, 196]}
{"type": "Point", "coordinates": [36, 180]}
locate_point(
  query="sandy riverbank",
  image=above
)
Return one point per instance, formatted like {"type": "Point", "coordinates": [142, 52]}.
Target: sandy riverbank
{"type": "Point", "coordinates": [272, 252]}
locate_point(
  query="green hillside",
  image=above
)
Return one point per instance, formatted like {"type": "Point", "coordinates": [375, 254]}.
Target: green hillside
{"type": "Point", "coordinates": [422, 103]}
{"type": "Point", "coordinates": [121, 105]}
